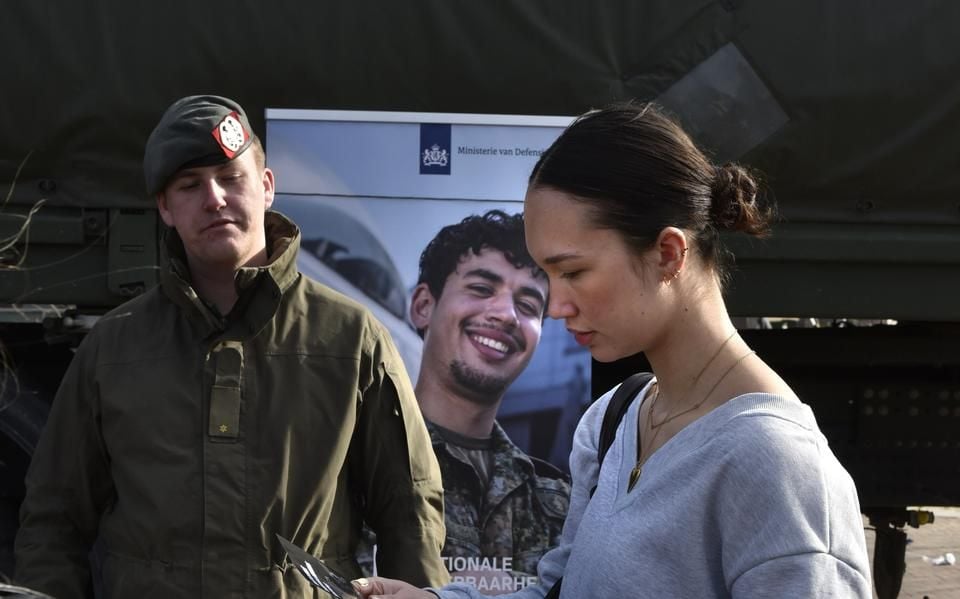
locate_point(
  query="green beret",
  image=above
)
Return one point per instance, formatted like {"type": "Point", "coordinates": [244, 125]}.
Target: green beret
{"type": "Point", "coordinates": [194, 131]}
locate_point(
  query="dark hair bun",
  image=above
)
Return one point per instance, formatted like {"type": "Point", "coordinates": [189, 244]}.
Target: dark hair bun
{"type": "Point", "coordinates": [736, 202]}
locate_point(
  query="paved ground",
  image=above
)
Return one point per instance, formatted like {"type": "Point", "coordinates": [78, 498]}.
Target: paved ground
{"type": "Point", "coordinates": [924, 580]}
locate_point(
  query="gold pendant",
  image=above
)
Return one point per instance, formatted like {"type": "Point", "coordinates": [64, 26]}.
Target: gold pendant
{"type": "Point", "coordinates": [634, 477]}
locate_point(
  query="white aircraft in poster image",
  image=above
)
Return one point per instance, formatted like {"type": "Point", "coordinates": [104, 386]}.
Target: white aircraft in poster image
{"type": "Point", "coordinates": [339, 251]}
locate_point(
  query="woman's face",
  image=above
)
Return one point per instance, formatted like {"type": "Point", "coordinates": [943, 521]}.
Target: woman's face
{"type": "Point", "coordinates": [606, 294]}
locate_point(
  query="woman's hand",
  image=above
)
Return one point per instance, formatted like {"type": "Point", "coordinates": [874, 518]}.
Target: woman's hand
{"type": "Point", "coordinates": [377, 588]}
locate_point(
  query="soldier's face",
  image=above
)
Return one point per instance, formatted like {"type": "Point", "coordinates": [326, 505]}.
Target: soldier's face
{"type": "Point", "coordinates": [482, 331]}
{"type": "Point", "coordinates": [218, 211]}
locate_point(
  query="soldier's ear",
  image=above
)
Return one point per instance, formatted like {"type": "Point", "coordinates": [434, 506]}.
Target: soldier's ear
{"type": "Point", "coordinates": [421, 307]}
{"type": "Point", "coordinates": [164, 209]}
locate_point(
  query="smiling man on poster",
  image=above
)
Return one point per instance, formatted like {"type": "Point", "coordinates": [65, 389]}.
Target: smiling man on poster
{"type": "Point", "coordinates": [479, 304]}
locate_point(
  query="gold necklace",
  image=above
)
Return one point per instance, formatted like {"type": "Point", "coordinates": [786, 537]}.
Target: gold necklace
{"type": "Point", "coordinates": [693, 385]}
{"type": "Point", "coordinates": [641, 460]}
{"type": "Point", "coordinates": [635, 472]}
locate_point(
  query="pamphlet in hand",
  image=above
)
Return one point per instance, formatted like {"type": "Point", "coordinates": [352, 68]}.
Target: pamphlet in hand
{"type": "Point", "coordinates": [318, 573]}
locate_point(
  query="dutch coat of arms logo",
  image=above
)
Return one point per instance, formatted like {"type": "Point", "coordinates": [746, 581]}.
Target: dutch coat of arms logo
{"type": "Point", "coordinates": [435, 156]}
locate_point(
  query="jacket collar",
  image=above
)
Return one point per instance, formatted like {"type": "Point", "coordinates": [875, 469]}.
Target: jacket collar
{"type": "Point", "coordinates": [259, 289]}
{"type": "Point", "coordinates": [503, 448]}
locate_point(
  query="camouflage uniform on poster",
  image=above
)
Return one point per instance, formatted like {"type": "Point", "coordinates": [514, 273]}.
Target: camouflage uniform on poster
{"type": "Point", "coordinates": [503, 524]}
{"type": "Point", "coordinates": [511, 520]}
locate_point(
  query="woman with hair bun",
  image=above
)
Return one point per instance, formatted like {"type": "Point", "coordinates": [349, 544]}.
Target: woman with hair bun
{"type": "Point", "coordinates": [719, 482]}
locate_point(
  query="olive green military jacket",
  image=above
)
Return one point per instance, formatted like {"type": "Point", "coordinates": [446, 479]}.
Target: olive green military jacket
{"type": "Point", "coordinates": [507, 523]}
{"type": "Point", "coordinates": [187, 441]}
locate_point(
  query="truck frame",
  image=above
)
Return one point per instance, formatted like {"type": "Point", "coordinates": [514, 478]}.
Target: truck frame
{"type": "Point", "coordinates": [851, 110]}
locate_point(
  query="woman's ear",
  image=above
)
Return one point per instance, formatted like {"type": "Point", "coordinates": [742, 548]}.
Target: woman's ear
{"type": "Point", "coordinates": [672, 253]}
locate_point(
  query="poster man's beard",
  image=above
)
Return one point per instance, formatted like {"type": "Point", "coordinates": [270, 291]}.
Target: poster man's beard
{"type": "Point", "coordinates": [485, 388]}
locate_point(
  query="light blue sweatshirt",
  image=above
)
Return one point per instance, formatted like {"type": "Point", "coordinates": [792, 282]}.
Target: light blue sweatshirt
{"type": "Point", "coordinates": [746, 501]}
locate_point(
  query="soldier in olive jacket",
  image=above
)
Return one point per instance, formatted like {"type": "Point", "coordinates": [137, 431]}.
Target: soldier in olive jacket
{"type": "Point", "coordinates": [235, 401]}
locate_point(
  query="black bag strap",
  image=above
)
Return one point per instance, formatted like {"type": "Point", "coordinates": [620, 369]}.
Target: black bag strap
{"type": "Point", "coordinates": [617, 407]}
{"type": "Point", "coordinates": [621, 400]}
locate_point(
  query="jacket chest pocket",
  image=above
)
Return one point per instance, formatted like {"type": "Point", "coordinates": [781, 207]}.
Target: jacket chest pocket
{"type": "Point", "coordinates": [149, 405]}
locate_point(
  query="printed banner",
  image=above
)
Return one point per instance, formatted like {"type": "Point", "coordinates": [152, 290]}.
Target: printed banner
{"type": "Point", "coordinates": [370, 191]}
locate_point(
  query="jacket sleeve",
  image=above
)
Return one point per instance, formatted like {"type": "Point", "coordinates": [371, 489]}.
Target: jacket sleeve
{"type": "Point", "coordinates": [68, 486]}
{"type": "Point", "coordinates": [400, 477]}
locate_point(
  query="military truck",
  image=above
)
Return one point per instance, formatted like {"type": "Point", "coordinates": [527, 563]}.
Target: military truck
{"type": "Point", "coordinates": [852, 111]}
